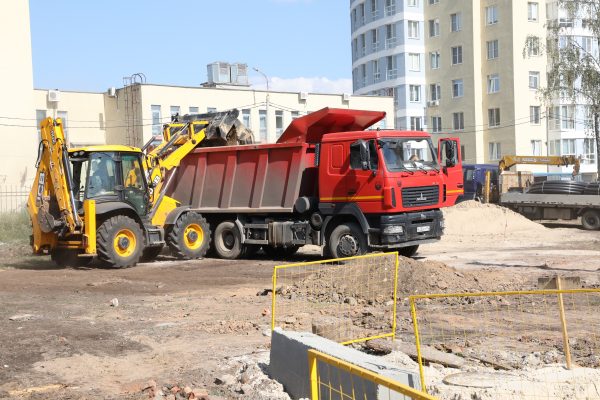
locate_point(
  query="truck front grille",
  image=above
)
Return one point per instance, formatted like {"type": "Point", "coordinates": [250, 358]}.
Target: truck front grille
{"type": "Point", "coordinates": [420, 196]}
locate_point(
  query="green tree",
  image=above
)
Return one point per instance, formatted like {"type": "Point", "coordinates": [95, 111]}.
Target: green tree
{"type": "Point", "coordinates": [573, 61]}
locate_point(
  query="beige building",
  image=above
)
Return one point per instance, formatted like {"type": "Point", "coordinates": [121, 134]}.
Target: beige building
{"type": "Point", "coordinates": [480, 86]}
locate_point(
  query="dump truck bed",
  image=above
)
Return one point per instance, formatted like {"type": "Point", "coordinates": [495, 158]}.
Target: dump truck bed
{"type": "Point", "coordinates": [260, 178]}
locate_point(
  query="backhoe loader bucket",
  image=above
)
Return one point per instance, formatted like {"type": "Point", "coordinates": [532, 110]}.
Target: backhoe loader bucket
{"type": "Point", "coordinates": [224, 128]}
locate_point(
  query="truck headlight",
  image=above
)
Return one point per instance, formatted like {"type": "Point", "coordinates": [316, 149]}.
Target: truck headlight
{"type": "Point", "coordinates": [393, 229]}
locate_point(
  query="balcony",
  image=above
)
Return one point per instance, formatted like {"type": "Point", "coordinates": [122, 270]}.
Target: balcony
{"type": "Point", "coordinates": [390, 43]}
{"type": "Point", "coordinates": [392, 74]}
{"type": "Point", "coordinates": [390, 10]}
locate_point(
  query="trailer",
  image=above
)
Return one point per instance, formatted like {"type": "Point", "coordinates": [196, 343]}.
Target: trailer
{"type": "Point", "coordinates": [556, 206]}
{"type": "Point", "coordinates": [328, 182]}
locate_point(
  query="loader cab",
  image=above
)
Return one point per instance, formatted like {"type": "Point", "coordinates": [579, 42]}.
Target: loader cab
{"type": "Point", "coordinates": [109, 174]}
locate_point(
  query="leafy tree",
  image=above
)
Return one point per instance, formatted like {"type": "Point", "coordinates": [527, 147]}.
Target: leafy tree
{"type": "Point", "coordinates": [573, 65]}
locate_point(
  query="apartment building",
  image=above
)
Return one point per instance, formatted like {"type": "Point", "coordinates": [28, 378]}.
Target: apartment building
{"type": "Point", "coordinates": [388, 55]}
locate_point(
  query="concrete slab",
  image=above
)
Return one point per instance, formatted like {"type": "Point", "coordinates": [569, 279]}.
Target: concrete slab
{"type": "Point", "coordinates": [289, 366]}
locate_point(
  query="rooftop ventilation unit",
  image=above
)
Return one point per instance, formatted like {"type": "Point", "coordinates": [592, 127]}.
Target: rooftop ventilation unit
{"type": "Point", "coordinates": [239, 74]}
{"type": "Point", "coordinates": [54, 96]}
{"type": "Point", "coordinates": [219, 73]}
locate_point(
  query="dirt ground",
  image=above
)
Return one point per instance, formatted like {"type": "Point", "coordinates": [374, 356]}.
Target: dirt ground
{"type": "Point", "coordinates": [198, 323]}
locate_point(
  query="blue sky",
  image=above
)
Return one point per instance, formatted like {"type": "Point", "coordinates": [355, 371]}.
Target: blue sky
{"type": "Point", "coordinates": [90, 45]}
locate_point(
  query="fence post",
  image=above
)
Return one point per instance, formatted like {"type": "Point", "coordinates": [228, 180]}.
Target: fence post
{"type": "Point", "coordinates": [563, 322]}
{"type": "Point", "coordinates": [273, 294]}
{"type": "Point", "coordinates": [313, 374]}
{"type": "Point", "coordinates": [413, 312]}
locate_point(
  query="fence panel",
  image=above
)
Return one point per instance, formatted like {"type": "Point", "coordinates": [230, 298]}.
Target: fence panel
{"type": "Point", "coordinates": [332, 378]}
{"type": "Point", "coordinates": [541, 344]}
{"type": "Point", "coordinates": [347, 300]}
{"type": "Point", "coordinates": [13, 198]}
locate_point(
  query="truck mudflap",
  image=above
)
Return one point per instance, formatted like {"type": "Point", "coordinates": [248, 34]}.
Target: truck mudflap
{"type": "Point", "coordinates": [407, 229]}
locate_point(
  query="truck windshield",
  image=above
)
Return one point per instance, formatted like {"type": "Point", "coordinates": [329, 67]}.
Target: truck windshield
{"type": "Point", "coordinates": [408, 154]}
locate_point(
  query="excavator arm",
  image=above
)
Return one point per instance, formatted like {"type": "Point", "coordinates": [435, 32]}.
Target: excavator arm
{"type": "Point", "coordinates": [51, 204]}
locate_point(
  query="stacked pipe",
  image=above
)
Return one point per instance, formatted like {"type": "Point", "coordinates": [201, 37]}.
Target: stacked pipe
{"type": "Point", "coordinates": [564, 187]}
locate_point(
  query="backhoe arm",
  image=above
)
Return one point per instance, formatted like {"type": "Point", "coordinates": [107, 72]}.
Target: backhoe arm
{"type": "Point", "coordinates": [51, 203]}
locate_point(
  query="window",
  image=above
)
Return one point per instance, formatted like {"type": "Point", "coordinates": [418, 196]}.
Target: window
{"type": "Point", "coordinates": [431, 2]}
{"type": "Point", "coordinates": [552, 148]}
{"type": "Point", "coordinates": [434, 58]}
{"type": "Point", "coordinates": [361, 8]}
{"type": "Point", "coordinates": [494, 117]}
{"type": "Point", "coordinates": [532, 11]}
{"type": "Point", "coordinates": [555, 118]}
{"type": "Point", "coordinates": [415, 93]}
{"type": "Point", "coordinates": [40, 115]}
{"type": "Point", "coordinates": [436, 124]}
{"type": "Point", "coordinates": [413, 29]}
{"type": "Point", "coordinates": [156, 118]}
{"type": "Point", "coordinates": [414, 60]}
{"type": "Point", "coordinates": [362, 45]}
{"type": "Point", "coordinates": [193, 110]}
{"type": "Point", "coordinates": [262, 119]}
{"type": "Point", "coordinates": [391, 71]}
{"type": "Point", "coordinates": [534, 79]}
{"type": "Point", "coordinates": [175, 110]}
{"type": "Point", "coordinates": [434, 90]}
{"type": "Point", "coordinates": [495, 150]}
{"type": "Point", "coordinates": [390, 7]}
{"type": "Point", "coordinates": [211, 109]}
{"type": "Point", "coordinates": [457, 55]}
{"type": "Point", "coordinates": [589, 151]}
{"type": "Point", "coordinates": [133, 178]}
{"type": "Point", "coordinates": [457, 88]}
{"type": "Point", "coordinates": [458, 121]}
{"type": "Point", "coordinates": [534, 115]}
{"type": "Point", "coordinates": [493, 83]}
{"type": "Point", "coordinates": [390, 36]}
{"type": "Point", "coordinates": [363, 74]}
{"type": "Point", "coordinates": [434, 27]}
{"type": "Point", "coordinates": [246, 117]}
{"type": "Point", "coordinates": [278, 123]}
{"type": "Point", "coordinates": [376, 73]}
{"type": "Point", "coordinates": [374, 8]}
{"type": "Point", "coordinates": [568, 147]}
{"type": "Point", "coordinates": [533, 46]}
{"type": "Point", "coordinates": [415, 124]}
{"type": "Point", "coordinates": [536, 147]}
{"type": "Point", "coordinates": [491, 15]}
{"type": "Point", "coordinates": [295, 114]}
{"type": "Point", "coordinates": [456, 22]}
{"type": "Point", "coordinates": [413, 3]}
{"type": "Point", "coordinates": [64, 116]}
{"type": "Point", "coordinates": [567, 117]}
{"type": "Point", "coordinates": [374, 40]}
{"type": "Point", "coordinates": [586, 44]}
{"type": "Point", "coordinates": [492, 49]}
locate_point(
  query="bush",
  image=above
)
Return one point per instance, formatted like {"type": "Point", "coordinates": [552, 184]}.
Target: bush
{"type": "Point", "coordinates": [14, 227]}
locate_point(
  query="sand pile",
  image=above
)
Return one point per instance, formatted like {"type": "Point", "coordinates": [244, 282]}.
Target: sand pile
{"type": "Point", "coordinates": [474, 218]}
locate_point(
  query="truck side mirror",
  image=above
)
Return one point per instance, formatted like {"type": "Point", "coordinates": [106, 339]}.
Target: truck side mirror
{"type": "Point", "coordinates": [449, 148]}
{"type": "Point", "coordinates": [364, 154]}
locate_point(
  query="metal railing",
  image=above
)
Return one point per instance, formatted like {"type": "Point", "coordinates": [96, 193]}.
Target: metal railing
{"type": "Point", "coordinates": [13, 198]}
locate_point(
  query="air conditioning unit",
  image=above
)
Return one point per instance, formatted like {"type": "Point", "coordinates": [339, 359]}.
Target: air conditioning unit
{"type": "Point", "coordinates": [54, 96]}
{"type": "Point", "coordinates": [303, 95]}
{"type": "Point", "coordinates": [433, 103]}
{"type": "Point", "coordinates": [346, 97]}
{"type": "Point", "coordinates": [111, 92]}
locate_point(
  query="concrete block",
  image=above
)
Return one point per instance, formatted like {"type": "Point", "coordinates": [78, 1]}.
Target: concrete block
{"type": "Point", "coordinates": [289, 366]}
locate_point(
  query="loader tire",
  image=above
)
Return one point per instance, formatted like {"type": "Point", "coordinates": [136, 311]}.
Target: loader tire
{"type": "Point", "coordinates": [119, 242]}
{"type": "Point", "coordinates": [69, 258]}
{"type": "Point", "coordinates": [408, 251]}
{"type": "Point", "coordinates": [189, 237]}
{"type": "Point", "coordinates": [228, 241]}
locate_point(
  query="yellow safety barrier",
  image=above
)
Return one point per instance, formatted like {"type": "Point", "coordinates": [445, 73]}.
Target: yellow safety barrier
{"type": "Point", "coordinates": [541, 344]}
{"type": "Point", "coordinates": [351, 382]}
{"type": "Point", "coordinates": [346, 300]}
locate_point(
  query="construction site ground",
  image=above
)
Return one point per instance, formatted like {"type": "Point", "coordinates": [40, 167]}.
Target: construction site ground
{"type": "Point", "coordinates": [203, 325]}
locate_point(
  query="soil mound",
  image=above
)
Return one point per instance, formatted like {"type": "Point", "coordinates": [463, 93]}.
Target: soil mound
{"type": "Point", "coordinates": [474, 218]}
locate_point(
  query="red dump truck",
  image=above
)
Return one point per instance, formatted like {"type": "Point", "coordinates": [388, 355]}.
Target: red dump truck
{"type": "Point", "coordinates": [328, 182]}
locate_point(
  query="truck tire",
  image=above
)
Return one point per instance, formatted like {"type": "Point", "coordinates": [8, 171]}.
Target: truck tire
{"type": "Point", "coordinates": [189, 237]}
{"type": "Point", "coordinates": [347, 240]}
{"type": "Point", "coordinates": [119, 242]}
{"type": "Point", "coordinates": [280, 253]}
{"type": "Point", "coordinates": [228, 241]}
{"type": "Point", "coordinates": [69, 258]}
{"type": "Point", "coordinates": [150, 253]}
{"type": "Point", "coordinates": [408, 251]}
{"type": "Point", "coordinates": [590, 220]}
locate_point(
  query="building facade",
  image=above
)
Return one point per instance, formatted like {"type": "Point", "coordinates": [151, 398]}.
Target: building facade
{"type": "Point", "coordinates": [388, 55]}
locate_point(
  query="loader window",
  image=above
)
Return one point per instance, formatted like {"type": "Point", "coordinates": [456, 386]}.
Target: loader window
{"type": "Point", "coordinates": [102, 180]}
{"type": "Point", "coordinates": [79, 173]}
{"type": "Point", "coordinates": [134, 191]}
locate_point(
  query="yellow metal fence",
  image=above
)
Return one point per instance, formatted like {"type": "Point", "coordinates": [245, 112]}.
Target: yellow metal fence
{"type": "Point", "coordinates": [346, 300]}
{"type": "Point", "coordinates": [542, 344]}
{"type": "Point", "coordinates": [332, 378]}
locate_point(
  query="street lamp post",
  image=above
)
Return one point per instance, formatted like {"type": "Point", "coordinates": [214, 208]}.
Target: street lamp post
{"type": "Point", "coordinates": [267, 105]}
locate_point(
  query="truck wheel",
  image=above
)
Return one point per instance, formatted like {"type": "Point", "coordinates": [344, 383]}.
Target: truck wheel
{"type": "Point", "coordinates": [150, 253]}
{"type": "Point", "coordinates": [408, 251]}
{"type": "Point", "coordinates": [590, 220]}
{"type": "Point", "coordinates": [279, 253]}
{"type": "Point", "coordinates": [189, 237]}
{"type": "Point", "coordinates": [119, 242]}
{"type": "Point", "coordinates": [228, 240]}
{"type": "Point", "coordinates": [69, 258]}
{"type": "Point", "coordinates": [347, 240]}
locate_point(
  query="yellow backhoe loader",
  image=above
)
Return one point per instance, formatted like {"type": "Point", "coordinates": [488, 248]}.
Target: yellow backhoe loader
{"type": "Point", "coordinates": [109, 201]}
